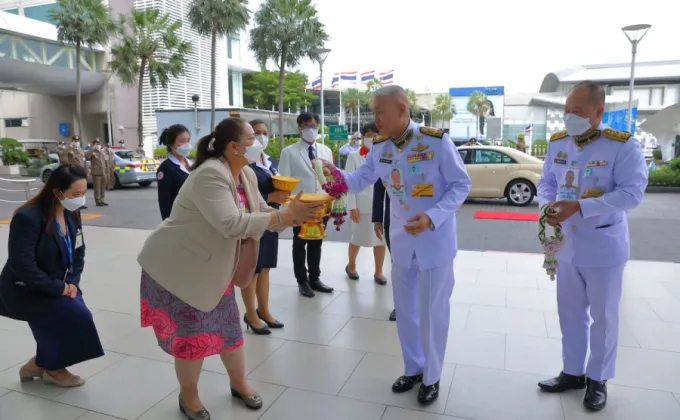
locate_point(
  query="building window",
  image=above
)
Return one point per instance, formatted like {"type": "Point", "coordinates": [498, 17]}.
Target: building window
{"type": "Point", "coordinates": [39, 12]}
{"type": "Point", "coordinates": [657, 96]}
{"type": "Point", "coordinates": [230, 78]}
{"type": "Point", "coordinates": [16, 122]}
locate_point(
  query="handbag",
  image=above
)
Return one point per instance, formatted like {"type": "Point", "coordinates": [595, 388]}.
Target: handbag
{"type": "Point", "coordinates": [247, 262]}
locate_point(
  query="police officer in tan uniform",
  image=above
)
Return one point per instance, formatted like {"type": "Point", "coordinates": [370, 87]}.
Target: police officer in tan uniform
{"type": "Point", "coordinates": [62, 152]}
{"type": "Point", "coordinates": [111, 168]}
{"type": "Point", "coordinates": [99, 162]}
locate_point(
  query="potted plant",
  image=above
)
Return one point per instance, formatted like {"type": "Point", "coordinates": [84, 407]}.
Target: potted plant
{"type": "Point", "coordinates": [13, 156]}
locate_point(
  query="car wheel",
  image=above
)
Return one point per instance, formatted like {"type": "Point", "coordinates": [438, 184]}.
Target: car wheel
{"type": "Point", "coordinates": [46, 175]}
{"type": "Point", "coordinates": [520, 192]}
{"type": "Point", "coordinates": [145, 183]}
{"type": "Point", "coordinates": [117, 185]}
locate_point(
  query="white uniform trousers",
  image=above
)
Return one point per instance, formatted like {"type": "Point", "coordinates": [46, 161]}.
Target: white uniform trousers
{"type": "Point", "coordinates": [597, 288]}
{"type": "Point", "coordinates": [421, 300]}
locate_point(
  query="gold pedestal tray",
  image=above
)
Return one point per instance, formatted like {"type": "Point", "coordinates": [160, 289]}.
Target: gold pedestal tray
{"type": "Point", "coordinates": [285, 183]}
{"type": "Point", "coordinates": [314, 229]}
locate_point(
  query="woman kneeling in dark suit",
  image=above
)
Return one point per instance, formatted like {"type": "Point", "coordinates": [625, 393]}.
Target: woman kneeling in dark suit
{"type": "Point", "coordinates": [259, 319]}
{"type": "Point", "coordinates": [40, 281]}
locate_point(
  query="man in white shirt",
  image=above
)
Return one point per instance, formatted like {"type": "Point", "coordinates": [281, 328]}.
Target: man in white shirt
{"type": "Point", "coordinates": [296, 161]}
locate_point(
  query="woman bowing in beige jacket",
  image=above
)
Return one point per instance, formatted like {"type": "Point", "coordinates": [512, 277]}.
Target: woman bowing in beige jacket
{"type": "Point", "coordinates": [192, 261]}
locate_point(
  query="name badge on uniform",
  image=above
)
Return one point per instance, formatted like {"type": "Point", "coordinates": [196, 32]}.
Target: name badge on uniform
{"type": "Point", "coordinates": [568, 184]}
{"type": "Point", "coordinates": [422, 190]}
{"type": "Point", "coordinates": [419, 157]}
{"type": "Point", "coordinates": [79, 239]}
{"type": "Point", "coordinates": [384, 160]}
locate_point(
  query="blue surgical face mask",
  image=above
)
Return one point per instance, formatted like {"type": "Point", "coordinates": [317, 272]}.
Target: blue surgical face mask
{"type": "Point", "coordinates": [576, 124]}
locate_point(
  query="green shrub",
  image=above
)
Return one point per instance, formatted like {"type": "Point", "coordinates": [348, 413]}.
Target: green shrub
{"type": "Point", "coordinates": [664, 177]}
{"type": "Point", "coordinates": [657, 154]}
{"type": "Point", "coordinates": [13, 152]}
{"type": "Point", "coordinates": [674, 164]}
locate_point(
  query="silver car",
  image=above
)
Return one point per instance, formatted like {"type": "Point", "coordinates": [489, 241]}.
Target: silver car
{"type": "Point", "coordinates": [131, 168]}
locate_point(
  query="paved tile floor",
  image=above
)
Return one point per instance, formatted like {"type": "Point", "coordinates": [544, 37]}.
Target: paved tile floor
{"type": "Point", "coordinates": [337, 356]}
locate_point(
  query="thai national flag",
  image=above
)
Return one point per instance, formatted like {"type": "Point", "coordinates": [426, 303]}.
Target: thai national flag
{"type": "Point", "coordinates": [387, 77]}
{"type": "Point", "coordinates": [529, 128]}
{"type": "Point", "coordinates": [348, 76]}
{"type": "Point", "coordinates": [367, 76]}
{"type": "Point", "coordinates": [316, 84]}
{"type": "Point", "coordinates": [335, 82]}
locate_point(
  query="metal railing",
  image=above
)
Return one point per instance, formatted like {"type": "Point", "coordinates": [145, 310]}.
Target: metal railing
{"type": "Point", "coordinates": [26, 190]}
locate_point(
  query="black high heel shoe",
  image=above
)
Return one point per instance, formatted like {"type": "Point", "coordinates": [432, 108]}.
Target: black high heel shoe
{"type": "Point", "coordinates": [257, 331]}
{"type": "Point", "coordinates": [272, 324]}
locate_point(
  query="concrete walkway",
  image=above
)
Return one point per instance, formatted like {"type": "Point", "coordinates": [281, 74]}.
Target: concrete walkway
{"type": "Point", "coordinates": [338, 356]}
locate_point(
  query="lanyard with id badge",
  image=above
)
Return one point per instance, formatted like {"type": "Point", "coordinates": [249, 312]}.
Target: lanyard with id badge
{"type": "Point", "coordinates": [569, 184]}
{"type": "Point", "coordinates": [66, 237]}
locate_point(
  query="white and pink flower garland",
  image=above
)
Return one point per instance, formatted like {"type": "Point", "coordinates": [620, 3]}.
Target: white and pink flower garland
{"type": "Point", "coordinates": [551, 245]}
{"type": "Point", "coordinates": [335, 186]}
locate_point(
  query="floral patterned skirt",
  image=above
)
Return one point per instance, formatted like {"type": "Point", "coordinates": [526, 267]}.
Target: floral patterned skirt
{"type": "Point", "coordinates": [186, 332]}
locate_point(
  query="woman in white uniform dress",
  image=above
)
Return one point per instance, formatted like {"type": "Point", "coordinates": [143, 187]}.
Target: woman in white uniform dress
{"type": "Point", "coordinates": [360, 208]}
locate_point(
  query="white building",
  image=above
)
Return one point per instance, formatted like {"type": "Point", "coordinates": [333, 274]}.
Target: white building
{"type": "Point", "coordinates": [45, 101]}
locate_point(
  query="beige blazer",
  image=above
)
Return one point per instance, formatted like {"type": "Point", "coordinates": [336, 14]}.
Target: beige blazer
{"type": "Point", "coordinates": [194, 253]}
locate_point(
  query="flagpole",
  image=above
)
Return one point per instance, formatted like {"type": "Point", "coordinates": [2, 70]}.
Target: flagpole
{"type": "Point", "coordinates": [531, 134]}
{"type": "Point", "coordinates": [341, 117]}
{"type": "Point", "coordinates": [305, 98]}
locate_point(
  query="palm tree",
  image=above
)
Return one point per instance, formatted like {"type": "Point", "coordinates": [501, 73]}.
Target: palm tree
{"type": "Point", "coordinates": [80, 23]}
{"type": "Point", "coordinates": [373, 85]}
{"type": "Point", "coordinates": [217, 18]}
{"type": "Point", "coordinates": [443, 109]}
{"type": "Point", "coordinates": [412, 101]}
{"type": "Point", "coordinates": [150, 46]}
{"type": "Point", "coordinates": [478, 105]}
{"type": "Point", "coordinates": [352, 100]}
{"type": "Point", "coordinates": [286, 31]}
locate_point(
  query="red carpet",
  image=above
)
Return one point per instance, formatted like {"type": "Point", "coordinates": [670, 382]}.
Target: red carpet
{"type": "Point", "coordinates": [507, 215]}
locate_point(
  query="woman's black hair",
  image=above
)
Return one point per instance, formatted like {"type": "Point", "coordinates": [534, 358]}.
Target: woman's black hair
{"type": "Point", "coordinates": [62, 179]}
{"type": "Point", "coordinates": [369, 127]}
{"type": "Point", "coordinates": [170, 134]}
{"type": "Point", "coordinates": [253, 123]}
{"type": "Point", "coordinates": [214, 144]}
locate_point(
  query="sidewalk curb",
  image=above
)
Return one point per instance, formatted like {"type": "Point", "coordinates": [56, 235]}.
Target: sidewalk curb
{"type": "Point", "coordinates": [666, 190]}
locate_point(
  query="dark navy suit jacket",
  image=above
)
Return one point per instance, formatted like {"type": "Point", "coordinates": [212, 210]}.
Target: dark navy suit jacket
{"type": "Point", "coordinates": [170, 179]}
{"type": "Point", "coordinates": [37, 264]}
{"type": "Point", "coordinates": [381, 208]}
{"type": "Point", "coordinates": [264, 180]}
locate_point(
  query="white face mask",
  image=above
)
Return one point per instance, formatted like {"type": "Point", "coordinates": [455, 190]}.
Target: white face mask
{"type": "Point", "coordinates": [75, 146]}
{"type": "Point", "coordinates": [309, 135]}
{"type": "Point", "coordinates": [576, 124]}
{"type": "Point", "coordinates": [73, 204]}
{"type": "Point", "coordinates": [184, 149]}
{"type": "Point", "coordinates": [253, 153]}
{"type": "Point", "coordinates": [263, 140]}
{"type": "Point", "coordinates": [368, 142]}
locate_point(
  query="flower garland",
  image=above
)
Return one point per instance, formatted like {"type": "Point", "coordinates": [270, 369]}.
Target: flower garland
{"type": "Point", "coordinates": [335, 186]}
{"type": "Point", "coordinates": [551, 245]}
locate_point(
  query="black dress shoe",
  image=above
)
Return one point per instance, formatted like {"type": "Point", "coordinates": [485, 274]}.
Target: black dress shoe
{"type": "Point", "coordinates": [380, 280]}
{"type": "Point", "coordinates": [563, 382]}
{"type": "Point", "coordinates": [406, 383]}
{"type": "Point", "coordinates": [263, 330]}
{"type": "Point", "coordinates": [596, 395]}
{"type": "Point", "coordinates": [352, 276]}
{"type": "Point", "coordinates": [104, 204]}
{"type": "Point", "coordinates": [270, 324]}
{"type": "Point", "coordinates": [320, 287]}
{"type": "Point", "coordinates": [393, 315]}
{"type": "Point", "coordinates": [427, 394]}
{"type": "Point", "coordinates": [305, 290]}
{"type": "Point", "coordinates": [98, 204]}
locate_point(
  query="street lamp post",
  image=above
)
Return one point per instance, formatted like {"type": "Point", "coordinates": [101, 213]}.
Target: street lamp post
{"type": "Point", "coordinates": [634, 33]}
{"type": "Point", "coordinates": [107, 75]}
{"type": "Point", "coordinates": [320, 55]}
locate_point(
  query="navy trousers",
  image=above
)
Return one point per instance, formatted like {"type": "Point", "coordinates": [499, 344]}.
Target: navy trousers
{"type": "Point", "coordinates": [66, 335]}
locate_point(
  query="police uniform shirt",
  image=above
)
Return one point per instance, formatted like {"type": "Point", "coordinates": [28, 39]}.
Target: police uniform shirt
{"type": "Point", "coordinates": [605, 170]}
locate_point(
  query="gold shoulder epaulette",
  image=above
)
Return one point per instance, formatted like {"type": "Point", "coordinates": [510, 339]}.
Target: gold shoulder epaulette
{"type": "Point", "coordinates": [379, 139]}
{"type": "Point", "coordinates": [617, 135]}
{"type": "Point", "coordinates": [432, 132]}
{"type": "Point", "coordinates": [559, 135]}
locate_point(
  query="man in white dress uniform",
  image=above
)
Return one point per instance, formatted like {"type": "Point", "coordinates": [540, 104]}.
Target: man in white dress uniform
{"type": "Point", "coordinates": [426, 181]}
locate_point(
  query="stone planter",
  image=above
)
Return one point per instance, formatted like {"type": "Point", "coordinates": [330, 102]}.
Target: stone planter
{"type": "Point", "coordinates": [662, 190]}
{"type": "Point", "coordinates": [9, 170]}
